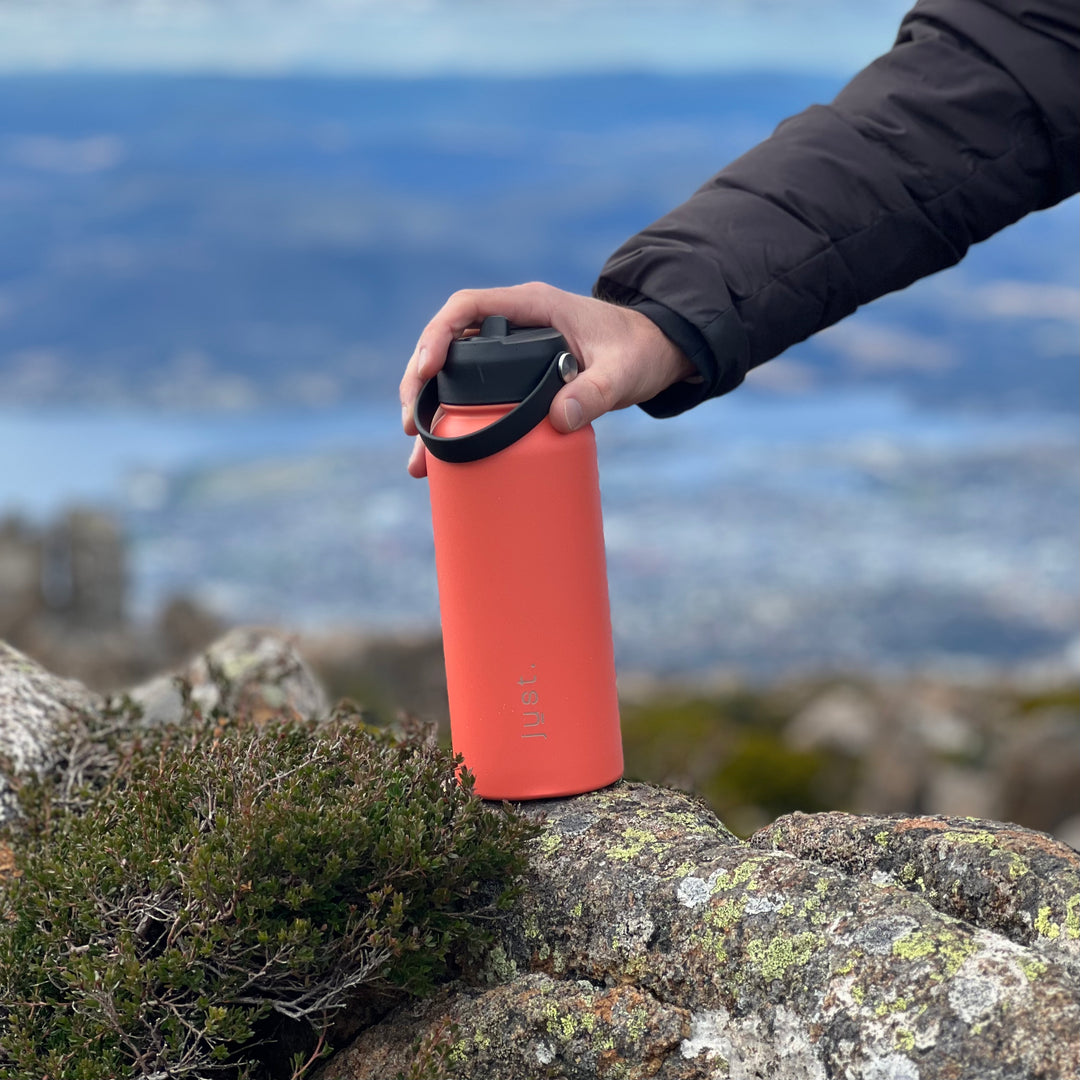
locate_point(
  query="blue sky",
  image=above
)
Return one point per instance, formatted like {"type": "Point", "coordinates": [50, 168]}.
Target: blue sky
{"type": "Point", "coordinates": [426, 37]}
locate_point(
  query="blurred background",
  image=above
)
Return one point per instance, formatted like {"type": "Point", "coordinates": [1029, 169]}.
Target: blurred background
{"type": "Point", "coordinates": [854, 582]}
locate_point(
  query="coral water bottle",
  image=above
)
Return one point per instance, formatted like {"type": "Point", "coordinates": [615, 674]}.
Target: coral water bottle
{"type": "Point", "coordinates": [519, 553]}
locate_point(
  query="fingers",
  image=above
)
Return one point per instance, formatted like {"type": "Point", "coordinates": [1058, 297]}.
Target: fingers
{"type": "Point", "coordinates": [526, 305]}
{"type": "Point", "coordinates": [594, 392]}
{"type": "Point", "coordinates": [418, 459]}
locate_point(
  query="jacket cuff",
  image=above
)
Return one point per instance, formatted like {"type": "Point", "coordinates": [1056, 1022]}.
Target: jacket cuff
{"type": "Point", "coordinates": [685, 335]}
{"type": "Point", "coordinates": [712, 378]}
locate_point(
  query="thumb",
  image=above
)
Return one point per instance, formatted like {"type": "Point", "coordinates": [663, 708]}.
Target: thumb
{"type": "Point", "coordinates": [580, 402]}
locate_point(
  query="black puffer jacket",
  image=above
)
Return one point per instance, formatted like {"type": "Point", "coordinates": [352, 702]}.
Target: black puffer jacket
{"type": "Point", "coordinates": [970, 121]}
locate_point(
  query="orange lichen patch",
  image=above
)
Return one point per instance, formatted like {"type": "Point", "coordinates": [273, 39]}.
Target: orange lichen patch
{"type": "Point", "coordinates": [7, 863]}
{"type": "Point", "coordinates": [1017, 840]}
{"type": "Point", "coordinates": [933, 824]}
{"type": "Point", "coordinates": [607, 1061]}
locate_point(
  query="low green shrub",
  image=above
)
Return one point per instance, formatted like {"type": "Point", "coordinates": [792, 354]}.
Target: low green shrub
{"type": "Point", "coordinates": [230, 890]}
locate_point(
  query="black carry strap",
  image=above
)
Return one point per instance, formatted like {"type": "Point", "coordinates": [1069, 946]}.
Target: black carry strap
{"type": "Point", "coordinates": [496, 436]}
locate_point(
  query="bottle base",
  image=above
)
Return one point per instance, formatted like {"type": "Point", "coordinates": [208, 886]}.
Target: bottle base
{"type": "Point", "coordinates": [554, 791]}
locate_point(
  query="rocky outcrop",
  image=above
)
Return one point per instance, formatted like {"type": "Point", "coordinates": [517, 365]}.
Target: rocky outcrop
{"type": "Point", "coordinates": [258, 671]}
{"type": "Point", "coordinates": [651, 942]}
{"type": "Point", "coordinates": [254, 670]}
{"type": "Point", "coordinates": [34, 707]}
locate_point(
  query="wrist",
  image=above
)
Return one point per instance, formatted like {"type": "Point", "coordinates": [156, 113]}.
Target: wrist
{"type": "Point", "coordinates": [670, 363]}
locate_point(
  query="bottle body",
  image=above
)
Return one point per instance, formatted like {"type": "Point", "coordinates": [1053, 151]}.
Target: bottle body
{"type": "Point", "coordinates": [519, 554]}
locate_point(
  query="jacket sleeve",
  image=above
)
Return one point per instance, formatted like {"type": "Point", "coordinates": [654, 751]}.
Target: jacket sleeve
{"type": "Point", "coordinates": [969, 122]}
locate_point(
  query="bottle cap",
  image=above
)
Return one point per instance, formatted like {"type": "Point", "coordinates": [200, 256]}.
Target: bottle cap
{"type": "Point", "coordinates": [500, 365]}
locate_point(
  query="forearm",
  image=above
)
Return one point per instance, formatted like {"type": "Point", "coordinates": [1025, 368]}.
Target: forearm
{"type": "Point", "coordinates": [956, 132]}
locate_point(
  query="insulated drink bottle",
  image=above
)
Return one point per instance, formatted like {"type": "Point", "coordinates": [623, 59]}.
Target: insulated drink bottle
{"type": "Point", "coordinates": [519, 554]}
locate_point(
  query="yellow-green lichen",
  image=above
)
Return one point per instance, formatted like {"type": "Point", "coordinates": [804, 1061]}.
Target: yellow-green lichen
{"type": "Point", "coordinates": [637, 1023]}
{"type": "Point", "coordinates": [858, 993]}
{"type": "Point", "coordinates": [577, 909]}
{"type": "Point", "coordinates": [1031, 967]}
{"type": "Point", "coordinates": [987, 839]}
{"type": "Point", "coordinates": [718, 919]}
{"type": "Point", "coordinates": [726, 914]}
{"type": "Point", "coordinates": [812, 910]}
{"type": "Point", "coordinates": [498, 967]}
{"type": "Point", "coordinates": [905, 1040]}
{"type": "Point", "coordinates": [908, 873]}
{"type": "Point", "coordinates": [560, 1024]}
{"type": "Point", "coordinates": [884, 1008]}
{"type": "Point", "coordinates": [882, 838]}
{"type": "Point", "coordinates": [950, 946]}
{"type": "Point", "coordinates": [914, 946]}
{"type": "Point", "coordinates": [1018, 866]}
{"type": "Point", "coordinates": [531, 926]}
{"type": "Point", "coordinates": [482, 1041]}
{"type": "Point", "coordinates": [686, 820]}
{"type": "Point", "coordinates": [637, 840]}
{"type": "Point", "coordinates": [1072, 917]}
{"type": "Point", "coordinates": [781, 953]}
{"type": "Point", "coordinates": [550, 842]}
{"type": "Point", "coordinates": [742, 875]}
{"type": "Point", "coordinates": [1043, 925]}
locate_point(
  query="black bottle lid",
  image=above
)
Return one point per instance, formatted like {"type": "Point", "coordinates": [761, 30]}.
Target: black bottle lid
{"type": "Point", "coordinates": [500, 365]}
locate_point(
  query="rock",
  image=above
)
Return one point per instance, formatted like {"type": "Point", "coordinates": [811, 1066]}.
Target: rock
{"type": "Point", "coordinates": [1017, 882]}
{"type": "Point", "coordinates": [257, 670]}
{"type": "Point", "coordinates": [34, 708]}
{"type": "Point", "coordinates": [262, 670]}
{"type": "Point", "coordinates": [1041, 769]}
{"type": "Point", "coordinates": [651, 942]}
{"type": "Point", "coordinates": [961, 791]}
{"type": "Point", "coordinates": [1068, 831]}
{"type": "Point", "coordinates": [185, 627]}
{"type": "Point", "coordinates": [383, 674]}
{"type": "Point", "coordinates": [843, 718]}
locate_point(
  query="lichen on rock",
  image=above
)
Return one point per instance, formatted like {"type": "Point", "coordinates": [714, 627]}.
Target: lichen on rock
{"type": "Point", "coordinates": [1020, 883]}
{"type": "Point", "coordinates": [35, 706]}
{"type": "Point", "coordinates": [766, 962]}
{"type": "Point", "coordinates": [649, 941]}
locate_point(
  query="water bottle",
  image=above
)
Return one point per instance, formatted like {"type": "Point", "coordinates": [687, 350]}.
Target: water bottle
{"type": "Point", "coordinates": [519, 555]}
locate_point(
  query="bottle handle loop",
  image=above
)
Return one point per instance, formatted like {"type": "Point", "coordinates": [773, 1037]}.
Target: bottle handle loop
{"type": "Point", "coordinates": [503, 432]}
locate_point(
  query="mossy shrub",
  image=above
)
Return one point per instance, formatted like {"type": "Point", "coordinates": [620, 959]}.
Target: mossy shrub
{"type": "Point", "coordinates": [230, 879]}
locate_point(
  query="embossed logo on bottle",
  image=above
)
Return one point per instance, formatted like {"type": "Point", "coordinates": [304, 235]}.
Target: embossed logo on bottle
{"type": "Point", "coordinates": [532, 719]}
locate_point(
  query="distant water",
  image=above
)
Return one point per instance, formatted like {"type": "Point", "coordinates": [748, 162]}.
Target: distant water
{"type": "Point", "coordinates": [758, 533]}
{"type": "Point", "coordinates": [53, 457]}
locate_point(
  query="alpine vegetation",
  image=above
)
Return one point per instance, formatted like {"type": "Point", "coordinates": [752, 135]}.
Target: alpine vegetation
{"type": "Point", "coordinates": [217, 902]}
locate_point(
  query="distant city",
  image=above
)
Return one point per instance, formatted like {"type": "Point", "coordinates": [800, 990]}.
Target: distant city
{"type": "Point", "coordinates": [209, 285]}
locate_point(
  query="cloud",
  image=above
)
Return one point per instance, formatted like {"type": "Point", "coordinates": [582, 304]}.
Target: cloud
{"type": "Point", "coordinates": [1027, 300]}
{"type": "Point", "coordinates": [47, 153]}
{"type": "Point", "coordinates": [783, 376]}
{"type": "Point", "coordinates": [873, 348]}
{"type": "Point", "coordinates": [442, 36]}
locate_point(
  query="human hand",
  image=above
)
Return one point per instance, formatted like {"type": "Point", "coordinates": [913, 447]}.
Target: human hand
{"type": "Point", "coordinates": [625, 357]}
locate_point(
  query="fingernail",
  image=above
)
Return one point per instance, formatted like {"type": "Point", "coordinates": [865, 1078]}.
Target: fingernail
{"type": "Point", "coordinates": [421, 362]}
{"type": "Point", "coordinates": [406, 412]}
{"type": "Point", "coordinates": [574, 416]}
